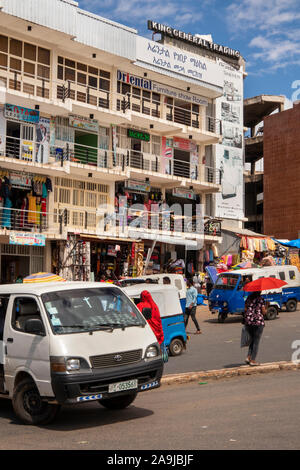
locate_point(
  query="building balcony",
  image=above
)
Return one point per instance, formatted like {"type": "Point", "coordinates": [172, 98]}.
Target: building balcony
{"type": "Point", "coordinates": [15, 221]}
{"type": "Point", "coordinates": [136, 224]}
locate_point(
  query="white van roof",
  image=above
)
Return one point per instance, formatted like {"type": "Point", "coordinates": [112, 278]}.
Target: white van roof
{"type": "Point", "coordinates": [136, 289]}
{"type": "Point", "coordinates": [39, 288]}
{"type": "Point", "coordinates": [259, 270]}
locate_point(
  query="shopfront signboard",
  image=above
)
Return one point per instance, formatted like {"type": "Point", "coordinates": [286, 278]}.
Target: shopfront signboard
{"type": "Point", "coordinates": [177, 94]}
{"type": "Point", "coordinates": [83, 123]}
{"type": "Point", "coordinates": [137, 186]}
{"type": "Point", "coordinates": [134, 134]}
{"type": "Point", "coordinates": [29, 239]}
{"type": "Point", "coordinates": [180, 62]}
{"type": "Point", "coordinates": [21, 114]}
{"type": "Point", "coordinates": [184, 144]}
{"type": "Point", "coordinates": [184, 193]}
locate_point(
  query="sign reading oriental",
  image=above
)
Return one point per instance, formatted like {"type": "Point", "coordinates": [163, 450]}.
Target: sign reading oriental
{"type": "Point", "coordinates": [191, 39]}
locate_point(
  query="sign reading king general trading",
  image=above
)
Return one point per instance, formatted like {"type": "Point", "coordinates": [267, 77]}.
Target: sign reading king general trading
{"type": "Point", "coordinates": [194, 40]}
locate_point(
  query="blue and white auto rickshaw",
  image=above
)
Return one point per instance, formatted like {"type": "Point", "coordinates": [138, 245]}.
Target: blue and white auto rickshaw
{"type": "Point", "coordinates": [167, 299]}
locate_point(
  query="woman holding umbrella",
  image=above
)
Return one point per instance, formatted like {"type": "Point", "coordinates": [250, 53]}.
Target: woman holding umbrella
{"type": "Point", "coordinates": [255, 311]}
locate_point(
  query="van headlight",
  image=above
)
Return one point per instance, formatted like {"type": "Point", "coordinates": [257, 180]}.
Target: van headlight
{"type": "Point", "coordinates": [72, 364]}
{"type": "Point", "coordinates": [225, 304]}
{"type": "Point", "coordinates": [68, 364]}
{"type": "Point", "coordinates": [152, 351]}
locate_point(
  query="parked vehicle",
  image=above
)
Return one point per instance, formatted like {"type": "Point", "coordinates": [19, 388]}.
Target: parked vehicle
{"type": "Point", "coordinates": [177, 280]}
{"type": "Point", "coordinates": [228, 296]}
{"type": "Point", "coordinates": [73, 342]}
{"type": "Point", "coordinates": [167, 300]}
{"type": "Point", "coordinates": [288, 299]}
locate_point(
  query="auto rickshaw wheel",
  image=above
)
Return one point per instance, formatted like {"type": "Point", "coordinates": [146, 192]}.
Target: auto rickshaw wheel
{"type": "Point", "coordinates": [176, 347]}
{"type": "Point", "coordinates": [272, 313]}
{"type": "Point", "coordinates": [222, 317]}
{"type": "Point", "coordinates": [291, 305]}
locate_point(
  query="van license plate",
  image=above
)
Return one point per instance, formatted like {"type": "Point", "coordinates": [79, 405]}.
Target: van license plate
{"type": "Point", "coordinates": [122, 386]}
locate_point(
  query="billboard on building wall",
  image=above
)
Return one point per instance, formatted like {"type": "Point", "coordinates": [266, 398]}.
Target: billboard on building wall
{"type": "Point", "coordinates": [181, 62]}
{"type": "Point", "coordinates": [229, 154]}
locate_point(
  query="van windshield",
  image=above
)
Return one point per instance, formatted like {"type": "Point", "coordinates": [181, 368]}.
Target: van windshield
{"type": "Point", "coordinates": [106, 308]}
{"type": "Point", "coordinates": [226, 281]}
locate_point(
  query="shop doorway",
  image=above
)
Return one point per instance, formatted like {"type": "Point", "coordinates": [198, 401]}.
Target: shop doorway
{"type": "Point", "coordinates": [20, 261]}
{"type": "Point", "coordinates": [12, 267]}
{"type": "Point", "coordinates": [85, 148]}
{"type": "Point", "coordinates": [136, 154]}
{"type": "Point", "coordinates": [181, 163]}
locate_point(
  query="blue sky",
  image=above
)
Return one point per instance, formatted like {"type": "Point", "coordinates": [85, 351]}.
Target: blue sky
{"type": "Point", "coordinates": [267, 33]}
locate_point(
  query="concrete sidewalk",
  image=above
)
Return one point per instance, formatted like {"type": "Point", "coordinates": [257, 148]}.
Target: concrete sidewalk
{"type": "Point", "coordinates": [228, 372]}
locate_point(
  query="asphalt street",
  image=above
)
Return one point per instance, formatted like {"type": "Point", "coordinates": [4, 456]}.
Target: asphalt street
{"type": "Point", "coordinates": [249, 412]}
{"type": "Point", "coordinates": [219, 345]}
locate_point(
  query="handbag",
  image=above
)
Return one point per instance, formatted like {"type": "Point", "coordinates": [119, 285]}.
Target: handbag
{"type": "Point", "coordinates": [164, 352]}
{"type": "Point", "coordinates": [245, 337]}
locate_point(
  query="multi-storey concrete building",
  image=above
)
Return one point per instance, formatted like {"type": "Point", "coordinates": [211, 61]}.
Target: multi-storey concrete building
{"type": "Point", "coordinates": [281, 174]}
{"type": "Point", "coordinates": [94, 118]}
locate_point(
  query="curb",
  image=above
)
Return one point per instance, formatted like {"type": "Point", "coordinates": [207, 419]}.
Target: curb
{"type": "Point", "coordinates": [227, 373]}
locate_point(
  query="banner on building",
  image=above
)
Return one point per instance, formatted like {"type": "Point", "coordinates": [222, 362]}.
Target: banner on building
{"type": "Point", "coordinates": [31, 239]}
{"type": "Point", "coordinates": [84, 123]}
{"type": "Point", "coordinates": [43, 140]}
{"type": "Point", "coordinates": [229, 154]}
{"type": "Point", "coordinates": [2, 131]}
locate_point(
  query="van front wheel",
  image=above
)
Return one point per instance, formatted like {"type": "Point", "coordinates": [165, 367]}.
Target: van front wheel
{"type": "Point", "coordinates": [29, 406]}
{"type": "Point", "coordinates": [118, 403]}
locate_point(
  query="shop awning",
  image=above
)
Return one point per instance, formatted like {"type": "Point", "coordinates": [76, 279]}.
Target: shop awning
{"type": "Point", "coordinates": [170, 240]}
{"type": "Point", "coordinates": [289, 244]}
{"type": "Point", "coordinates": [108, 239]}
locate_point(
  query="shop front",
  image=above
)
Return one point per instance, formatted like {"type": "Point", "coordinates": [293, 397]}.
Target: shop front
{"type": "Point", "coordinates": [21, 254]}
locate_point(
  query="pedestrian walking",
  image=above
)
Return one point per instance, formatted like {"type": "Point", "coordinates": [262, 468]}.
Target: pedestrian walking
{"type": "Point", "coordinates": [191, 305]}
{"type": "Point", "coordinates": [254, 322]}
{"type": "Point", "coordinates": [155, 320]}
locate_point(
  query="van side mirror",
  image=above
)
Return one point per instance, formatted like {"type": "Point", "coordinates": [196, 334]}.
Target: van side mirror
{"type": "Point", "coordinates": [35, 327]}
{"type": "Point", "coordinates": [147, 313]}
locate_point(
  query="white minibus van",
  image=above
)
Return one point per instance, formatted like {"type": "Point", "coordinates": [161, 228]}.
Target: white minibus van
{"type": "Point", "coordinates": [73, 342]}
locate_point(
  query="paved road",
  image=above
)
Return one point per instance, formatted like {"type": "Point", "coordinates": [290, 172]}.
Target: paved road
{"type": "Point", "coordinates": [249, 412]}
{"type": "Point", "coordinates": [219, 345]}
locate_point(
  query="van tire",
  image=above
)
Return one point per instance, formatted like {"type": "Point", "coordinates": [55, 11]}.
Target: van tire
{"type": "Point", "coordinates": [222, 317]}
{"type": "Point", "coordinates": [28, 405]}
{"type": "Point", "coordinates": [118, 403]}
{"type": "Point", "coordinates": [271, 313]}
{"type": "Point", "coordinates": [176, 347]}
{"type": "Point", "coordinates": [291, 305]}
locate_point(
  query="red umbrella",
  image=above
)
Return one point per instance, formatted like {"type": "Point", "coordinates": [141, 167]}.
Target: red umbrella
{"type": "Point", "coordinates": [264, 283]}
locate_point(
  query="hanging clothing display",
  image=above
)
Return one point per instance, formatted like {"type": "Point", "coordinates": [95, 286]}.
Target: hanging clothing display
{"type": "Point", "coordinates": [24, 200]}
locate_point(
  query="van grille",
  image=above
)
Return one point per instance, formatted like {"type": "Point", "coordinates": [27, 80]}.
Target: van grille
{"type": "Point", "coordinates": [116, 359]}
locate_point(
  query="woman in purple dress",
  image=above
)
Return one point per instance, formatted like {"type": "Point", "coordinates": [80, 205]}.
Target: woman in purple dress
{"type": "Point", "coordinates": [255, 310]}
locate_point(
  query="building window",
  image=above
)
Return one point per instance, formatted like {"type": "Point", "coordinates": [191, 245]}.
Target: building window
{"type": "Point", "coordinates": [28, 66]}
{"type": "Point", "coordinates": [136, 99]}
{"type": "Point", "coordinates": [84, 83]}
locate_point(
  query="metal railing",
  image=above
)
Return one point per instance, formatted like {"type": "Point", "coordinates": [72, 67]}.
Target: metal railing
{"type": "Point", "coordinates": [28, 150]}
{"type": "Point", "coordinates": [23, 220]}
{"type": "Point", "coordinates": [105, 99]}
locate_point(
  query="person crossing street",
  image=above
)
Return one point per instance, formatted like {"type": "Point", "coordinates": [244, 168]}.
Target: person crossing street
{"type": "Point", "coordinates": [191, 305]}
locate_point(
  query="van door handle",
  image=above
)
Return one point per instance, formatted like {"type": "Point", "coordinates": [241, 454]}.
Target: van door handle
{"type": "Point", "coordinates": [10, 340]}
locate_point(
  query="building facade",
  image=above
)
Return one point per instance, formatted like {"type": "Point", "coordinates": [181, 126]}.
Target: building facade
{"type": "Point", "coordinates": [107, 144]}
{"type": "Point", "coordinates": [281, 174]}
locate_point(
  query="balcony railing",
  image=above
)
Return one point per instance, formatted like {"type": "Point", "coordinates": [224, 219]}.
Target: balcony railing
{"type": "Point", "coordinates": [121, 159]}
{"type": "Point", "coordinates": [105, 99]}
{"type": "Point", "coordinates": [23, 220]}
{"type": "Point", "coordinates": [134, 221]}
